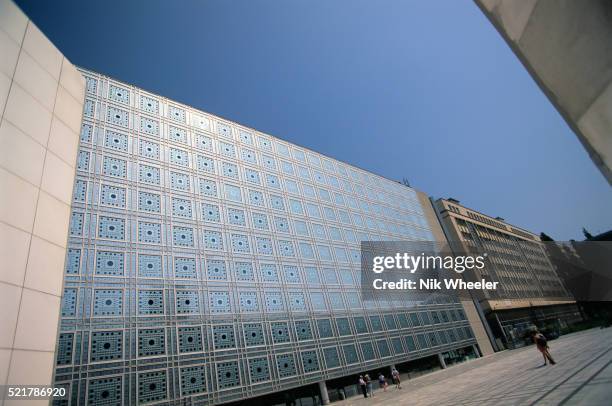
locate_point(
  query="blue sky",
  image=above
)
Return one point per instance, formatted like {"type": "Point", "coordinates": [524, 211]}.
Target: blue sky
{"type": "Point", "coordinates": [425, 90]}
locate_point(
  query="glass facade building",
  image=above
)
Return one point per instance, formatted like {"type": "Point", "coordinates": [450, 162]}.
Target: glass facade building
{"type": "Point", "coordinates": [209, 262]}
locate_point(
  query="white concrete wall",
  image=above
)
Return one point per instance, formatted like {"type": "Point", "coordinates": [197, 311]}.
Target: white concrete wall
{"type": "Point", "coordinates": [41, 103]}
{"type": "Point", "coordinates": [566, 46]}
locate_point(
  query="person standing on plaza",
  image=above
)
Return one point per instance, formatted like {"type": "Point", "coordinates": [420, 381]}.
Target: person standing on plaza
{"type": "Point", "coordinates": [368, 382]}
{"type": "Point", "coordinates": [382, 382]}
{"type": "Point", "coordinates": [542, 344]}
{"type": "Point", "coordinates": [362, 385]}
{"type": "Point", "coordinates": [396, 378]}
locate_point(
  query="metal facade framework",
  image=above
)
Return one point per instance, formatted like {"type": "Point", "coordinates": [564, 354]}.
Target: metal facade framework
{"type": "Point", "coordinates": [213, 262]}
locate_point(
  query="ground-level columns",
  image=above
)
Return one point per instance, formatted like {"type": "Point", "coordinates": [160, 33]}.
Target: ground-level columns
{"type": "Point", "coordinates": [441, 359]}
{"type": "Point", "coordinates": [324, 394]}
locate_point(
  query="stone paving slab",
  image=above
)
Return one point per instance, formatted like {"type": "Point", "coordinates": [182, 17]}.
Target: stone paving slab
{"type": "Point", "coordinates": [582, 376]}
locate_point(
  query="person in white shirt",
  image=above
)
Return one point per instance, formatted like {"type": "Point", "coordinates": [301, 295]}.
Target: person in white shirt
{"type": "Point", "coordinates": [396, 378]}
{"type": "Point", "coordinates": [362, 384]}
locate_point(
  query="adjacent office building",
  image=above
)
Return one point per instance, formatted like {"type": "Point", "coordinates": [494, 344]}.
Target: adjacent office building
{"type": "Point", "coordinates": [530, 291]}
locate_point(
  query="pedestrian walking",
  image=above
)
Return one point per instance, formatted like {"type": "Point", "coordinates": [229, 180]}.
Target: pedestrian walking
{"type": "Point", "coordinates": [542, 344]}
{"type": "Point", "coordinates": [362, 385]}
{"type": "Point", "coordinates": [382, 382]}
{"type": "Point", "coordinates": [368, 382]}
{"type": "Point", "coordinates": [396, 378]}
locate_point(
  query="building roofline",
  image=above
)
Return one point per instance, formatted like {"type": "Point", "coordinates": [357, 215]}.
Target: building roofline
{"type": "Point", "coordinates": [456, 203]}
{"type": "Point", "coordinates": [81, 68]}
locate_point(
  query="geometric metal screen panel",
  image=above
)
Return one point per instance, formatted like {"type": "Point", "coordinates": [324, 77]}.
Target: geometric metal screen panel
{"type": "Point", "coordinates": [201, 253]}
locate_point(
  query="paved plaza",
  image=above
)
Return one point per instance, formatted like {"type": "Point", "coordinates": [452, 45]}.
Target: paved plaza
{"type": "Point", "coordinates": [582, 376]}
